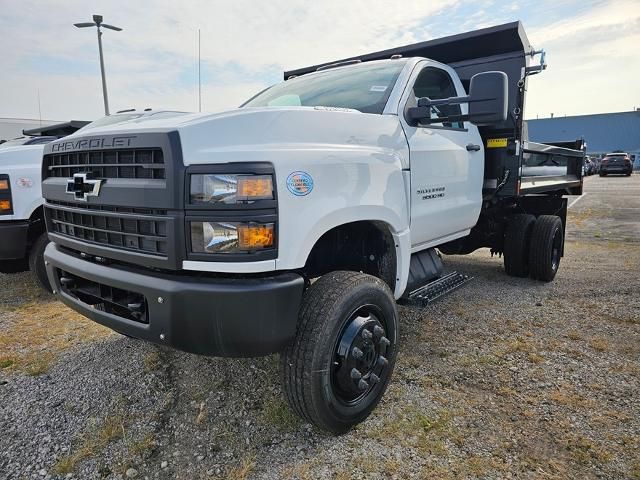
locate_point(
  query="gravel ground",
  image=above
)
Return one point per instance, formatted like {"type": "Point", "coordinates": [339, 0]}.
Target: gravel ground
{"type": "Point", "coordinates": [506, 378]}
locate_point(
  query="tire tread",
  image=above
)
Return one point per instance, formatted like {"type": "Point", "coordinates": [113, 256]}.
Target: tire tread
{"type": "Point", "coordinates": [315, 313]}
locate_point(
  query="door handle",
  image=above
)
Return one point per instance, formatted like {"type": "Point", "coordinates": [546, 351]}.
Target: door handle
{"type": "Point", "coordinates": [473, 147]}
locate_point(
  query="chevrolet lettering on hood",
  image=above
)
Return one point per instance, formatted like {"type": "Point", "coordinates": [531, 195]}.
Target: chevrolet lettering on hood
{"type": "Point", "coordinates": [93, 143]}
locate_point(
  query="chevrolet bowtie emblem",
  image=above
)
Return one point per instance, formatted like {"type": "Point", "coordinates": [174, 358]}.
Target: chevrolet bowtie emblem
{"type": "Point", "coordinates": [82, 187]}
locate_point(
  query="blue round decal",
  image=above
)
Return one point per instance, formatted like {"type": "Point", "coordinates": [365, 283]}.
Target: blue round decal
{"type": "Point", "coordinates": [300, 183]}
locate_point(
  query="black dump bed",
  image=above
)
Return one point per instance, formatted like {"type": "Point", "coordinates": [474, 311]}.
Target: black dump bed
{"type": "Point", "coordinates": [503, 48]}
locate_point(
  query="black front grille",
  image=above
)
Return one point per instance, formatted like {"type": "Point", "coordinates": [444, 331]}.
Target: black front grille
{"type": "Point", "coordinates": [121, 163]}
{"type": "Point", "coordinates": [122, 303]}
{"type": "Point", "coordinates": [131, 231]}
{"type": "Point", "coordinates": [111, 208]}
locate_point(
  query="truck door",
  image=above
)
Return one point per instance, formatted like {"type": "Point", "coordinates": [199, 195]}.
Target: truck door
{"type": "Point", "coordinates": [446, 161]}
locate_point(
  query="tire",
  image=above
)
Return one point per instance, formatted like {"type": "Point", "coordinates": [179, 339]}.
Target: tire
{"type": "Point", "coordinates": [603, 174]}
{"type": "Point", "coordinates": [14, 266]}
{"type": "Point", "coordinates": [36, 261]}
{"type": "Point", "coordinates": [317, 367]}
{"type": "Point", "coordinates": [546, 248]}
{"type": "Point", "coordinates": [516, 244]}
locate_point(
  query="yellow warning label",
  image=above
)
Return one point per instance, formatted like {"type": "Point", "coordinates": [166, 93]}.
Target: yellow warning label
{"type": "Point", "coordinates": [496, 142]}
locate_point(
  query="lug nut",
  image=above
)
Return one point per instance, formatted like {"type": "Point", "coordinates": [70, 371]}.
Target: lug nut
{"type": "Point", "coordinates": [366, 334]}
{"type": "Point", "coordinates": [382, 361]}
{"type": "Point", "coordinates": [384, 341]}
{"type": "Point", "coordinates": [373, 378]}
{"type": "Point", "coordinates": [378, 331]}
{"type": "Point", "coordinates": [363, 385]}
{"type": "Point", "coordinates": [355, 374]}
{"type": "Point", "coordinates": [357, 353]}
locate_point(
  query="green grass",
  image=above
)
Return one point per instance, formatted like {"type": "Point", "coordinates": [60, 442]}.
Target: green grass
{"type": "Point", "coordinates": [276, 412]}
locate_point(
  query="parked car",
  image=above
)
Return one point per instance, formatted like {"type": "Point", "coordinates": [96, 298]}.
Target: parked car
{"type": "Point", "coordinates": [617, 162]}
{"type": "Point", "coordinates": [589, 166]}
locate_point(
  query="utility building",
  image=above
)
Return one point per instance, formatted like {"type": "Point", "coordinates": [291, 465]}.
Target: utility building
{"type": "Point", "coordinates": [603, 132]}
{"type": "Point", "coordinates": [13, 127]}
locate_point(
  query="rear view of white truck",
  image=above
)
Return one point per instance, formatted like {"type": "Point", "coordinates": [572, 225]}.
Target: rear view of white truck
{"type": "Point", "coordinates": [296, 222]}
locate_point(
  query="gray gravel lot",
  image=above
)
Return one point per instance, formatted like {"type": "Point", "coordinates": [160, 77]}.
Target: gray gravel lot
{"type": "Point", "coordinates": [506, 378]}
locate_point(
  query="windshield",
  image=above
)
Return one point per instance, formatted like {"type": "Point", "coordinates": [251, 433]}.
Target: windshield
{"type": "Point", "coordinates": [111, 119]}
{"type": "Point", "coordinates": [365, 87]}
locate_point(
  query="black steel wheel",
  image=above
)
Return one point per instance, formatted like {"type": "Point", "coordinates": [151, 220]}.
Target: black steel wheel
{"type": "Point", "coordinates": [517, 239]}
{"type": "Point", "coordinates": [337, 368]}
{"type": "Point", "coordinates": [547, 241]}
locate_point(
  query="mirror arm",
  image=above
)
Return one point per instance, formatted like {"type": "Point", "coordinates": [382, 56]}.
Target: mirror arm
{"type": "Point", "coordinates": [427, 102]}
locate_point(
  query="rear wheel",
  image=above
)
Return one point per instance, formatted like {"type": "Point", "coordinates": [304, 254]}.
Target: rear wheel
{"type": "Point", "coordinates": [36, 261]}
{"type": "Point", "coordinates": [338, 367]}
{"type": "Point", "coordinates": [516, 244]}
{"type": "Point", "coordinates": [545, 251]}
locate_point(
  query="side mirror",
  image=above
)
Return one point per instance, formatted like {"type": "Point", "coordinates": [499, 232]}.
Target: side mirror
{"type": "Point", "coordinates": [488, 98]}
{"type": "Point", "coordinates": [488, 101]}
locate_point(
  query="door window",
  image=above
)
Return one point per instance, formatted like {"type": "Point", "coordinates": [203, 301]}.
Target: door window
{"type": "Point", "coordinates": [435, 84]}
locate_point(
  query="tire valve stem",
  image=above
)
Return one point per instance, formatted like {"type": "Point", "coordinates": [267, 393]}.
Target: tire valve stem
{"type": "Point", "coordinates": [363, 385]}
{"type": "Point", "coordinates": [357, 353]}
{"type": "Point", "coordinates": [355, 374]}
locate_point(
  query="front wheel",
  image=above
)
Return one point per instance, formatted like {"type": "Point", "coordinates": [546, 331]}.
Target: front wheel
{"type": "Point", "coordinates": [36, 261]}
{"type": "Point", "coordinates": [338, 367]}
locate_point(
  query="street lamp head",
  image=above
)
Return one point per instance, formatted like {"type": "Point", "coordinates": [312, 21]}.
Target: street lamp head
{"type": "Point", "coordinates": [97, 22]}
{"type": "Point", "coordinates": [111, 27]}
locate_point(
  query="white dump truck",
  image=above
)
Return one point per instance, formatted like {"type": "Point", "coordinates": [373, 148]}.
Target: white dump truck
{"type": "Point", "coordinates": [23, 235]}
{"type": "Point", "coordinates": [294, 223]}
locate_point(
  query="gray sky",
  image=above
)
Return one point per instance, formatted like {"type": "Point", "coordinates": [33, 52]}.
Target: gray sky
{"type": "Point", "coordinates": [592, 49]}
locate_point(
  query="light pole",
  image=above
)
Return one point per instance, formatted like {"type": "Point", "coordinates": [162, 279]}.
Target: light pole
{"type": "Point", "coordinates": [97, 22]}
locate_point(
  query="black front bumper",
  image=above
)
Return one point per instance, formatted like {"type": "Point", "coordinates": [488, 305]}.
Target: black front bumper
{"type": "Point", "coordinates": [13, 235]}
{"type": "Point", "coordinates": [227, 317]}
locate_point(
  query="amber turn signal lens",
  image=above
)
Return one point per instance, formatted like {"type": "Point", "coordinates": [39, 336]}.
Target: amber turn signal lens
{"type": "Point", "coordinates": [255, 237]}
{"type": "Point", "coordinates": [5, 205]}
{"type": "Point", "coordinates": [4, 184]}
{"type": "Point", "coordinates": [255, 187]}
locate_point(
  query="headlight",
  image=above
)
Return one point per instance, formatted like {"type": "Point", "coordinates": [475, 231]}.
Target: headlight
{"type": "Point", "coordinates": [230, 189]}
{"type": "Point", "coordinates": [231, 237]}
{"type": "Point", "coordinates": [5, 195]}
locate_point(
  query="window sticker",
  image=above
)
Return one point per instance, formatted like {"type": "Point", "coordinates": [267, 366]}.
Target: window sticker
{"type": "Point", "coordinates": [378, 88]}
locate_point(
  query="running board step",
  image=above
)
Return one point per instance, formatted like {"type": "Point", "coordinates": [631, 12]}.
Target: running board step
{"type": "Point", "coordinates": [432, 291]}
